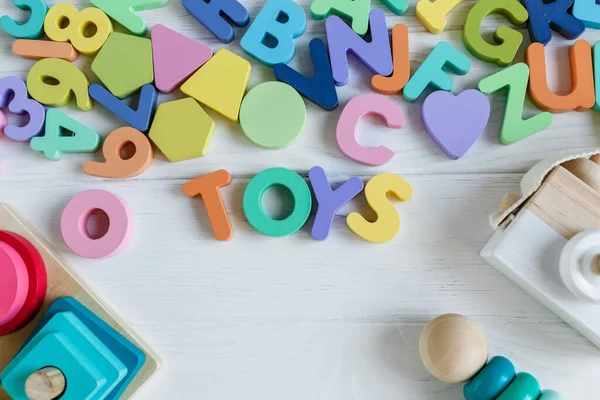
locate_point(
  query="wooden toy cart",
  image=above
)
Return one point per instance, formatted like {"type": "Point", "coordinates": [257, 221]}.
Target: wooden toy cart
{"type": "Point", "coordinates": [548, 240]}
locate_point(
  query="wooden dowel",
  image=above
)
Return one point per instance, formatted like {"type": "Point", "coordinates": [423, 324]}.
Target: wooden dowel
{"type": "Point", "coordinates": [46, 384]}
{"type": "Point", "coordinates": [508, 200]}
{"type": "Point", "coordinates": [586, 170]}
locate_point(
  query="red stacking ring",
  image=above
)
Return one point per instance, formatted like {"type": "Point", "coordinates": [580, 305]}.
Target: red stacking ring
{"type": "Point", "coordinates": [38, 281]}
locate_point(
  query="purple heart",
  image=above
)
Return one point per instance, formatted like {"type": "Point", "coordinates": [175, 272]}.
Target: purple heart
{"type": "Point", "coordinates": [455, 122]}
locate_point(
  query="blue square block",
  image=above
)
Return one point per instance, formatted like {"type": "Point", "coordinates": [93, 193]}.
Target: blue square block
{"type": "Point", "coordinates": [127, 352]}
{"type": "Point", "coordinates": [90, 368]}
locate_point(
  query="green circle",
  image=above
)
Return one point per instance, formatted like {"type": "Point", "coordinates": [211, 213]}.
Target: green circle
{"type": "Point", "coordinates": [253, 202]}
{"type": "Point", "coordinates": [273, 115]}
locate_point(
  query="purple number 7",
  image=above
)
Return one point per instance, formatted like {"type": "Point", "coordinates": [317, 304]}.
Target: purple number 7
{"type": "Point", "coordinates": [13, 93]}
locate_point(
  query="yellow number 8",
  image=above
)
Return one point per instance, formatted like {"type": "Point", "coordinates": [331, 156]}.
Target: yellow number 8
{"type": "Point", "coordinates": [87, 30]}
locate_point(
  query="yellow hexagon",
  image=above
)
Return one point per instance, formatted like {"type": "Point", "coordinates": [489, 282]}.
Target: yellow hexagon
{"type": "Point", "coordinates": [182, 129]}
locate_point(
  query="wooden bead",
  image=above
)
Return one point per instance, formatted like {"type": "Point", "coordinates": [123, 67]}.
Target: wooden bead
{"type": "Point", "coordinates": [453, 348]}
{"type": "Point", "coordinates": [46, 384]}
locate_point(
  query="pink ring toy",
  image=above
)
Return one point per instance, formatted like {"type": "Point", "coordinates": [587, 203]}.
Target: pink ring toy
{"type": "Point", "coordinates": [14, 283]}
{"type": "Point", "coordinates": [73, 224]}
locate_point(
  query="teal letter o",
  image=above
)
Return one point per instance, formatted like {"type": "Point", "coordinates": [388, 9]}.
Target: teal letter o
{"type": "Point", "coordinates": [253, 202]}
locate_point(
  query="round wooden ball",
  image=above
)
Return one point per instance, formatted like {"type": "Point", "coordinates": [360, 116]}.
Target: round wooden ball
{"type": "Point", "coordinates": [453, 348]}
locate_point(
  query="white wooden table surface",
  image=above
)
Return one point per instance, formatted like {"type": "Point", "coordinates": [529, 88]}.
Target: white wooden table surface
{"type": "Point", "coordinates": [293, 318]}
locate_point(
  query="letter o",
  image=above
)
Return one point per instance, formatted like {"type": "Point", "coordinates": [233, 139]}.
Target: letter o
{"type": "Point", "coordinates": [253, 202]}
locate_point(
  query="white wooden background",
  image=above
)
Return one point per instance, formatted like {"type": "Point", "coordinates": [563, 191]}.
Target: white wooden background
{"type": "Point", "coordinates": [297, 319]}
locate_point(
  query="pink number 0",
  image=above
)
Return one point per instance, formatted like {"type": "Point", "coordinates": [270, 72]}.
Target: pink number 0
{"type": "Point", "coordinates": [73, 224]}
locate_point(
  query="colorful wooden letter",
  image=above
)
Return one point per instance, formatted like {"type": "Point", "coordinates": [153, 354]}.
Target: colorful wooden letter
{"type": "Point", "coordinates": [455, 122]}
{"type": "Point", "coordinates": [398, 7]}
{"type": "Point", "coordinates": [253, 202]}
{"type": "Point", "coordinates": [33, 28]}
{"type": "Point", "coordinates": [123, 11]}
{"type": "Point", "coordinates": [582, 96]}
{"type": "Point", "coordinates": [124, 64]}
{"type": "Point", "coordinates": [596, 63]}
{"type": "Point", "coordinates": [211, 14]}
{"type": "Point", "coordinates": [514, 128]}
{"type": "Point", "coordinates": [355, 10]}
{"type": "Point", "coordinates": [209, 188]}
{"type": "Point", "coordinates": [545, 17]}
{"type": "Point", "coordinates": [270, 38]}
{"type": "Point", "coordinates": [221, 83]}
{"type": "Point", "coordinates": [116, 167]}
{"type": "Point", "coordinates": [387, 224]}
{"type": "Point", "coordinates": [65, 23]}
{"type": "Point", "coordinates": [508, 39]}
{"type": "Point", "coordinates": [42, 86]}
{"type": "Point", "coordinates": [330, 201]}
{"type": "Point", "coordinates": [401, 61]}
{"type": "Point", "coordinates": [319, 88]}
{"type": "Point", "coordinates": [73, 224]}
{"type": "Point", "coordinates": [376, 54]}
{"type": "Point", "coordinates": [182, 130]}
{"type": "Point", "coordinates": [357, 108]}
{"type": "Point", "coordinates": [176, 57]}
{"type": "Point", "coordinates": [13, 94]}
{"type": "Point", "coordinates": [433, 13]}
{"type": "Point", "coordinates": [432, 71]}
{"type": "Point", "coordinates": [39, 49]}
{"type": "Point", "coordinates": [140, 118]}
{"type": "Point", "coordinates": [272, 115]}
{"type": "Point", "coordinates": [587, 11]}
{"type": "Point", "coordinates": [55, 142]}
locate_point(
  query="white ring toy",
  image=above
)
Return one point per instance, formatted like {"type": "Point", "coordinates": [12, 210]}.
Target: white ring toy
{"type": "Point", "coordinates": [580, 265]}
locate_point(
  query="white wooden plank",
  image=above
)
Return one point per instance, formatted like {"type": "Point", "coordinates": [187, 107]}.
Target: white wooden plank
{"type": "Point", "coordinates": [299, 319]}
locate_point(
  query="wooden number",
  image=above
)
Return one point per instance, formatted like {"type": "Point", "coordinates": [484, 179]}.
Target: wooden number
{"type": "Point", "coordinates": [32, 29]}
{"type": "Point", "coordinates": [87, 30]}
{"type": "Point", "coordinates": [53, 81]}
{"type": "Point", "coordinates": [116, 166]}
{"type": "Point", "coordinates": [13, 94]}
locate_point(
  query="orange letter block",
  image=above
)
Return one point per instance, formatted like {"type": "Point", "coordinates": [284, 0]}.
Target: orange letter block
{"type": "Point", "coordinates": [208, 187]}
{"type": "Point", "coordinates": [401, 57]}
{"type": "Point", "coordinates": [582, 95]}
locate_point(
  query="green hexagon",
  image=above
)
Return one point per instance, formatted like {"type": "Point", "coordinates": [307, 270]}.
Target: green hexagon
{"type": "Point", "coordinates": [182, 129]}
{"type": "Point", "coordinates": [124, 64]}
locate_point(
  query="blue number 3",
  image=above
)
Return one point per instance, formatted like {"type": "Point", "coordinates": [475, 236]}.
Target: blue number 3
{"type": "Point", "coordinates": [33, 28]}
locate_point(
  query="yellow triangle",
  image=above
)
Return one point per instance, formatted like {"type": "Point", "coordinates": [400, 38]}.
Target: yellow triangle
{"type": "Point", "coordinates": [220, 83]}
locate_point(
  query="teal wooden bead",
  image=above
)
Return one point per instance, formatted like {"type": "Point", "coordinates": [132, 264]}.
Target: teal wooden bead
{"type": "Point", "coordinates": [550, 395]}
{"type": "Point", "coordinates": [523, 387]}
{"type": "Point", "coordinates": [491, 380]}
{"type": "Point", "coordinates": [34, 27]}
{"type": "Point", "coordinates": [257, 187]}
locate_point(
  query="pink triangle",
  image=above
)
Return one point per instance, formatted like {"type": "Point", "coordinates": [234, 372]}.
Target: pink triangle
{"type": "Point", "coordinates": [176, 57]}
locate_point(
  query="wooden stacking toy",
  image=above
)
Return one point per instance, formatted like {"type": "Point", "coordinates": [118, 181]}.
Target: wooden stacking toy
{"type": "Point", "coordinates": [455, 350]}
{"type": "Point", "coordinates": [57, 339]}
{"type": "Point", "coordinates": [548, 241]}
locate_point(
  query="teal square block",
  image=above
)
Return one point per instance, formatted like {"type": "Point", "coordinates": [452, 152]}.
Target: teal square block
{"type": "Point", "coordinates": [127, 352]}
{"type": "Point", "coordinates": [91, 370]}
